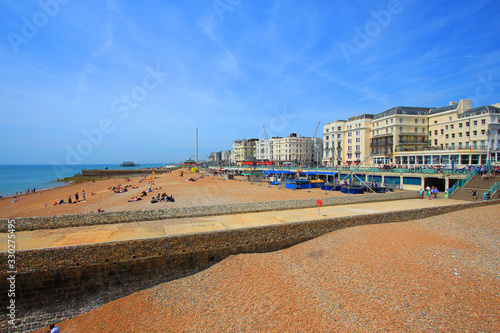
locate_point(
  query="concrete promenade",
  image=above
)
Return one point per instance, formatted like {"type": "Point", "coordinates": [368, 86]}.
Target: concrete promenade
{"type": "Point", "coordinates": [128, 231]}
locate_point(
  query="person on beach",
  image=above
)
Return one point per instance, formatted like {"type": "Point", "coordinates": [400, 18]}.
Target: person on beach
{"type": "Point", "coordinates": [69, 198]}
{"type": "Point", "coordinates": [421, 193]}
{"type": "Point", "coordinates": [83, 195]}
{"type": "Point", "coordinates": [474, 194]}
{"type": "Point", "coordinates": [53, 329]}
{"type": "Point", "coordinates": [76, 197]}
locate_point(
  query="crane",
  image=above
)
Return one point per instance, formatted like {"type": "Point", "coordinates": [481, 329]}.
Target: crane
{"type": "Point", "coordinates": [312, 149]}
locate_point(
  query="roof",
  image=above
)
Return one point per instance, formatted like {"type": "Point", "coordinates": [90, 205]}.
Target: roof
{"type": "Point", "coordinates": [444, 108]}
{"type": "Point", "coordinates": [485, 109]}
{"type": "Point", "coordinates": [403, 110]}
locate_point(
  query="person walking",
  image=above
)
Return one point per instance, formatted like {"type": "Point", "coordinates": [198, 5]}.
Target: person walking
{"type": "Point", "coordinates": [474, 194]}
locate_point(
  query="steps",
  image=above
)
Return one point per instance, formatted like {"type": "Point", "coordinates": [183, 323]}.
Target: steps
{"type": "Point", "coordinates": [465, 193]}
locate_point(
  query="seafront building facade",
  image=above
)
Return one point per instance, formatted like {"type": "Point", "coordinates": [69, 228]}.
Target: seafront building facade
{"type": "Point", "coordinates": [294, 149]}
{"type": "Point", "coordinates": [454, 135]}
{"type": "Point", "coordinates": [243, 151]}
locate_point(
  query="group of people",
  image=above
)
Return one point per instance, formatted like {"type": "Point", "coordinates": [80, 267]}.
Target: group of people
{"type": "Point", "coordinates": [70, 200]}
{"type": "Point", "coordinates": [164, 197]}
{"type": "Point", "coordinates": [430, 192]}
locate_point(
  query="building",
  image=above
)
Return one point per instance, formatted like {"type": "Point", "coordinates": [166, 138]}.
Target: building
{"type": "Point", "coordinates": [243, 151]}
{"type": "Point", "coordinates": [333, 136]}
{"type": "Point", "coordinates": [296, 150]}
{"type": "Point", "coordinates": [459, 135]}
{"type": "Point", "coordinates": [357, 139]}
{"type": "Point", "coordinates": [396, 130]}
{"type": "Point", "coordinates": [223, 157]}
{"type": "Point", "coordinates": [453, 135]}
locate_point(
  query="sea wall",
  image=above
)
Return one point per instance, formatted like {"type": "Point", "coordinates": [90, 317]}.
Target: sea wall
{"type": "Point", "coordinates": [76, 220]}
{"type": "Point", "coordinates": [59, 283]}
{"type": "Point", "coordinates": [124, 172]}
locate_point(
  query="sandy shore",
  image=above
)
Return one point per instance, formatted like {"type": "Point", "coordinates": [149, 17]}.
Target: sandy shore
{"type": "Point", "coordinates": [438, 274]}
{"type": "Point", "coordinates": [206, 191]}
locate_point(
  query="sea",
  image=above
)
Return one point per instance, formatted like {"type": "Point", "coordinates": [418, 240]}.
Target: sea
{"type": "Point", "coordinates": [19, 178]}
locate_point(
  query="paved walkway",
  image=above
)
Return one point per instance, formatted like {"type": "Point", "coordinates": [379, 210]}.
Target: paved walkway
{"type": "Point", "coordinates": [127, 231]}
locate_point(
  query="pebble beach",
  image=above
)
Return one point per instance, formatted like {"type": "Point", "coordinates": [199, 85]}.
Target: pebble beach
{"type": "Point", "coordinates": [438, 274]}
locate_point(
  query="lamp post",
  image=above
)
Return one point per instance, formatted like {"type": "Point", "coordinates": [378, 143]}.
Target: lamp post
{"type": "Point", "coordinates": [488, 133]}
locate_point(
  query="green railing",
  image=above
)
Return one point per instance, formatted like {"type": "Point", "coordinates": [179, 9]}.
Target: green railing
{"type": "Point", "coordinates": [460, 183]}
{"type": "Point", "coordinates": [492, 191]}
{"type": "Point", "coordinates": [344, 169]}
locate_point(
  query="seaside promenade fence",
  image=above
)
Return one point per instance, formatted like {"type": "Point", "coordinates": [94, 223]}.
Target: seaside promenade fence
{"type": "Point", "coordinates": [460, 183]}
{"type": "Point", "coordinates": [492, 191]}
{"type": "Point", "coordinates": [349, 169]}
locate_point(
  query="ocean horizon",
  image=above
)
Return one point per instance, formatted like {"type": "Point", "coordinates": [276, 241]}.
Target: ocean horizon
{"type": "Point", "coordinates": [19, 178]}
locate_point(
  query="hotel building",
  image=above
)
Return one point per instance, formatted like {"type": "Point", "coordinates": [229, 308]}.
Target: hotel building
{"type": "Point", "coordinates": [452, 135]}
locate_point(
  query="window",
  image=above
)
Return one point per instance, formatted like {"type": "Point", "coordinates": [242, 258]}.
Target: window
{"type": "Point", "coordinates": [459, 125]}
{"type": "Point", "coordinates": [349, 134]}
{"type": "Point", "coordinates": [467, 124]}
{"type": "Point", "coordinates": [451, 118]}
{"type": "Point", "coordinates": [453, 135]}
{"type": "Point", "coordinates": [416, 129]}
{"type": "Point", "coordinates": [358, 147]}
{"type": "Point", "coordinates": [460, 145]}
{"type": "Point", "coordinates": [386, 121]}
{"type": "Point", "coordinates": [483, 121]}
{"type": "Point", "coordinates": [327, 131]}
{"type": "Point", "coordinates": [474, 133]}
{"type": "Point", "coordinates": [416, 121]}
{"type": "Point", "coordinates": [467, 133]}
{"type": "Point", "coordinates": [442, 131]}
{"type": "Point", "coordinates": [339, 136]}
{"type": "Point", "coordinates": [358, 140]}
{"type": "Point", "coordinates": [474, 122]}
{"type": "Point", "coordinates": [349, 141]}
{"type": "Point", "coordinates": [339, 128]}
{"type": "Point", "coordinates": [446, 136]}
{"type": "Point", "coordinates": [460, 134]}
{"type": "Point", "coordinates": [349, 156]}
{"type": "Point", "coordinates": [435, 132]}
{"type": "Point", "coordinates": [435, 121]}
{"type": "Point", "coordinates": [327, 138]}
{"type": "Point", "coordinates": [400, 120]}
{"type": "Point", "coordinates": [423, 129]}
{"type": "Point", "coordinates": [423, 121]}
{"type": "Point", "coordinates": [483, 132]}
{"type": "Point", "coordinates": [446, 127]}
{"type": "Point", "coordinates": [392, 120]}
{"type": "Point", "coordinates": [358, 132]}
{"type": "Point", "coordinates": [401, 129]}
{"type": "Point", "coordinates": [435, 142]}
{"type": "Point", "coordinates": [358, 155]}
{"type": "Point", "coordinates": [452, 126]}
{"type": "Point", "coordinates": [349, 148]}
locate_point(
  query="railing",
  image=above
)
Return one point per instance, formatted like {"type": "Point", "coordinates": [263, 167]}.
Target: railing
{"type": "Point", "coordinates": [492, 191]}
{"type": "Point", "coordinates": [460, 183]}
{"type": "Point", "coordinates": [352, 167]}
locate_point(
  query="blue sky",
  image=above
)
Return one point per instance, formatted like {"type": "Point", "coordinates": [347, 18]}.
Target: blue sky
{"type": "Point", "coordinates": [108, 81]}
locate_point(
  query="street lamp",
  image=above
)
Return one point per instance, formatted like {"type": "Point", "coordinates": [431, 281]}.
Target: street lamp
{"type": "Point", "coordinates": [488, 133]}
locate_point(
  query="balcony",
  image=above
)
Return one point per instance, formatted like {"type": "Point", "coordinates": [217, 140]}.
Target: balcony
{"type": "Point", "coordinates": [412, 133]}
{"type": "Point", "coordinates": [381, 143]}
{"type": "Point", "coordinates": [382, 135]}
{"type": "Point", "coordinates": [416, 142]}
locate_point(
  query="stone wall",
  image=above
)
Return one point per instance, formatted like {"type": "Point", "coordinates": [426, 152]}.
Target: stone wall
{"type": "Point", "coordinates": [123, 172]}
{"type": "Point", "coordinates": [76, 220]}
{"type": "Point", "coordinates": [59, 283]}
